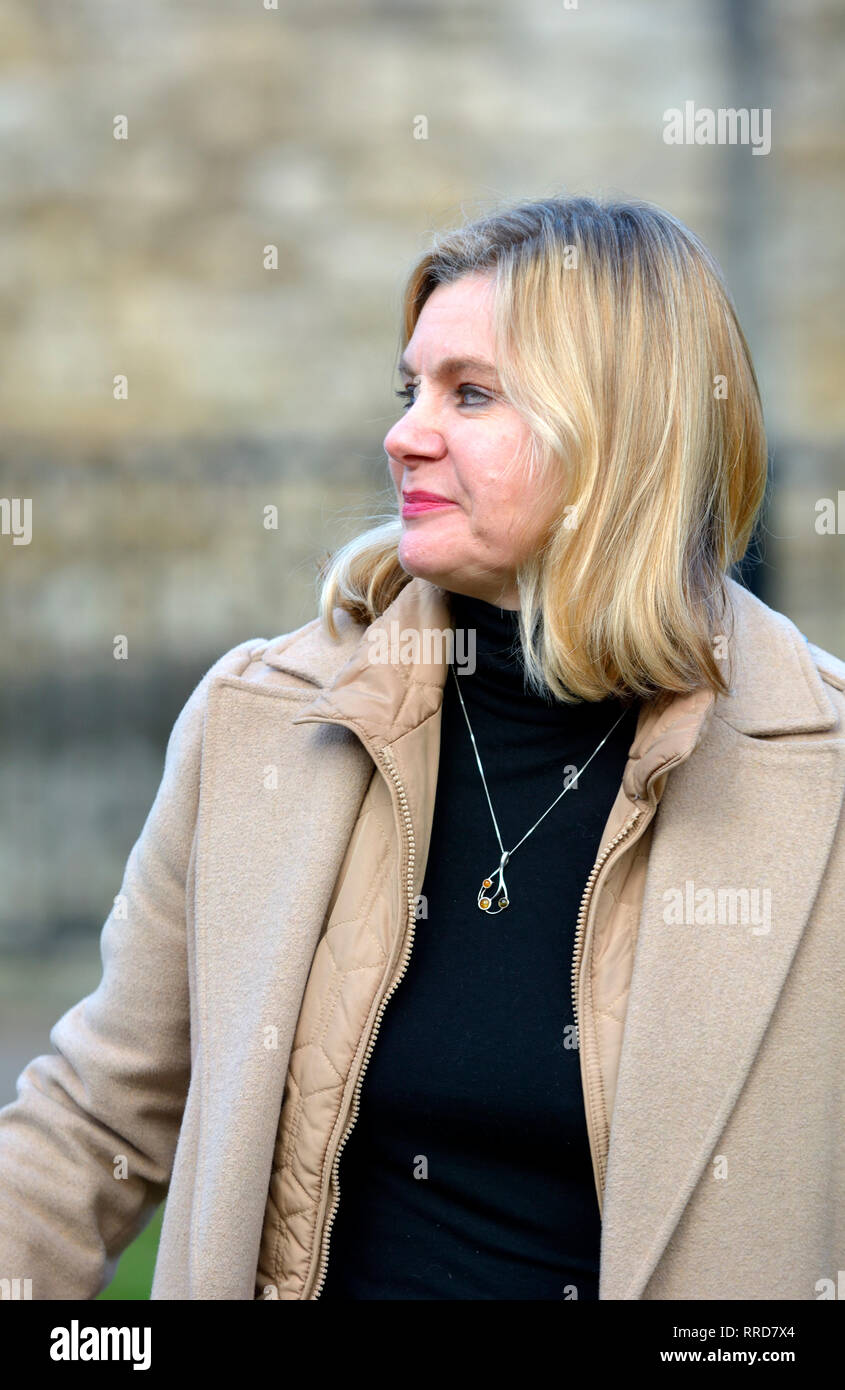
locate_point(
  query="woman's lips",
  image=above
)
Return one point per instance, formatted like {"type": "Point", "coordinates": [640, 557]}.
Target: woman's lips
{"type": "Point", "coordinates": [417, 502]}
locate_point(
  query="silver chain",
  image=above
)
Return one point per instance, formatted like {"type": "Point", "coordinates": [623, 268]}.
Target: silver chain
{"type": "Point", "coordinates": [487, 892]}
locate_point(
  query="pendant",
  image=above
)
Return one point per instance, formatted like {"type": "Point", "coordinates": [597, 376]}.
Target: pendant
{"type": "Point", "coordinates": [494, 890]}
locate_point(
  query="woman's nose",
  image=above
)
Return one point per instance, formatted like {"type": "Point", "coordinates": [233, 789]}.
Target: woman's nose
{"type": "Point", "coordinates": [414, 433]}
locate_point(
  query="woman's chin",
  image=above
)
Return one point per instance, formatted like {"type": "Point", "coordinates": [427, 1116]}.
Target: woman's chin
{"type": "Point", "coordinates": [422, 561]}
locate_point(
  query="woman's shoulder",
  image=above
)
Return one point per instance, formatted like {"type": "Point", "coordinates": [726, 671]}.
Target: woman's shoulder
{"type": "Point", "coordinates": [831, 670]}
{"type": "Point", "coordinates": [764, 630]}
{"type": "Point", "coordinates": [304, 656]}
{"type": "Point", "coordinates": [309, 652]}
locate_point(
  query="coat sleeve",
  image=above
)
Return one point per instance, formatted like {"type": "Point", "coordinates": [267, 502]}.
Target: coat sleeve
{"type": "Point", "coordinates": [87, 1148]}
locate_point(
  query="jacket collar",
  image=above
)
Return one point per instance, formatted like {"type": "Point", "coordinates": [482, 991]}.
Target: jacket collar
{"type": "Point", "coordinates": [365, 679]}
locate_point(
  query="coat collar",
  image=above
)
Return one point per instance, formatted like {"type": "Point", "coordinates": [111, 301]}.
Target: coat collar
{"type": "Point", "coordinates": [775, 687]}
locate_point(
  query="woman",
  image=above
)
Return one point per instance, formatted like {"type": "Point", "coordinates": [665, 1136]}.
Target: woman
{"type": "Point", "coordinates": [472, 942]}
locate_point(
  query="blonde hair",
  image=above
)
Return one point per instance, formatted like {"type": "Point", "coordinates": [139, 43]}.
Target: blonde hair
{"type": "Point", "coordinates": [618, 343]}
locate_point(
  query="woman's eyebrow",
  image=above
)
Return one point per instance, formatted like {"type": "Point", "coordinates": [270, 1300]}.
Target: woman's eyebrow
{"type": "Point", "coordinates": [451, 366]}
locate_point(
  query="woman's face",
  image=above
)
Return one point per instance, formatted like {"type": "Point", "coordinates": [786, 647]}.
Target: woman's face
{"type": "Point", "coordinates": [453, 441]}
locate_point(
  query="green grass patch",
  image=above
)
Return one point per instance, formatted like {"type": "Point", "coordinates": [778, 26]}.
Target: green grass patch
{"type": "Point", "coordinates": [134, 1274]}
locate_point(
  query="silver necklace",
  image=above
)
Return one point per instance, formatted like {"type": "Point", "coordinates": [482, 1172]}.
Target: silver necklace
{"type": "Point", "coordinates": [494, 885]}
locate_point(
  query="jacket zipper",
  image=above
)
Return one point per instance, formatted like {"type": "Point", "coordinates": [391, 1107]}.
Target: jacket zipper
{"type": "Point", "coordinates": [410, 925]}
{"type": "Point", "coordinates": [597, 1142]}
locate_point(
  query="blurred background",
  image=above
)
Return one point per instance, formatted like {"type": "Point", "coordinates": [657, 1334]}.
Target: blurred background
{"type": "Point", "coordinates": [219, 201]}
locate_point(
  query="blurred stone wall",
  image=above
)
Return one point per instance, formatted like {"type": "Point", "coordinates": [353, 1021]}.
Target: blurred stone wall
{"type": "Point", "coordinates": [251, 386]}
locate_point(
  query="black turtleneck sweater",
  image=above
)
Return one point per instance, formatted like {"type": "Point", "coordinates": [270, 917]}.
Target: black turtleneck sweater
{"type": "Point", "coordinates": [467, 1174]}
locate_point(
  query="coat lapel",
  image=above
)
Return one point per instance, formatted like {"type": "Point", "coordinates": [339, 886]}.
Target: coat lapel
{"type": "Point", "coordinates": [702, 994]}
{"type": "Point", "coordinates": [267, 858]}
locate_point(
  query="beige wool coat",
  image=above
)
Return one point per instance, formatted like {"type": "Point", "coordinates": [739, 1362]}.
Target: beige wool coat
{"type": "Point", "coordinates": [266, 918]}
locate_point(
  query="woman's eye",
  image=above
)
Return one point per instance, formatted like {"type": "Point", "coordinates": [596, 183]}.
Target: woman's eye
{"type": "Point", "coordinates": [473, 391]}
{"type": "Point", "coordinates": [407, 395]}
